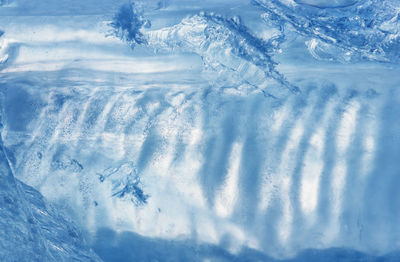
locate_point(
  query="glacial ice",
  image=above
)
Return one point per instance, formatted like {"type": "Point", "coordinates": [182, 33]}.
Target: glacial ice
{"type": "Point", "coordinates": [179, 130]}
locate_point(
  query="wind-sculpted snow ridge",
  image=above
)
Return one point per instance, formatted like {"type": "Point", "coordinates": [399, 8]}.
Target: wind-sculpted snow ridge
{"type": "Point", "coordinates": [225, 45]}
{"type": "Point", "coordinates": [341, 30]}
{"type": "Point", "coordinates": [30, 229]}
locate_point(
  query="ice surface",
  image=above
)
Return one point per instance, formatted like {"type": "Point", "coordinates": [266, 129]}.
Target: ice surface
{"type": "Point", "coordinates": [368, 30]}
{"type": "Point", "coordinates": [327, 3]}
{"type": "Point", "coordinates": [205, 131]}
{"type": "Point", "coordinates": [31, 230]}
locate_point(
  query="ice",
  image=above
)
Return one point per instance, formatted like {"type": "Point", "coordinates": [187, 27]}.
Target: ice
{"type": "Point", "coordinates": [200, 131]}
{"type": "Point", "coordinates": [364, 31]}
{"type": "Point", "coordinates": [32, 230]}
{"type": "Point", "coordinates": [327, 3]}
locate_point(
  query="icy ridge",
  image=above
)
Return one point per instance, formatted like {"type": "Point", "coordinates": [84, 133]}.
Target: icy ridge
{"type": "Point", "coordinates": [224, 44]}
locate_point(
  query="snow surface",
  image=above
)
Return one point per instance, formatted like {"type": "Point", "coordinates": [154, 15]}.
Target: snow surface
{"type": "Point", "coordinates": [201, 131]}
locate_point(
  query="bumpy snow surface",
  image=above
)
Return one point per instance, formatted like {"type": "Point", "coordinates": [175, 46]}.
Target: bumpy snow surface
{"type": "Point", "coordinates": [215, 130]}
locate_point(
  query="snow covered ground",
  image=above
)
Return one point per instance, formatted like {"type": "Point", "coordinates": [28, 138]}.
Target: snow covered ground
{"type": "Point", "coordinates": [225, 131]}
